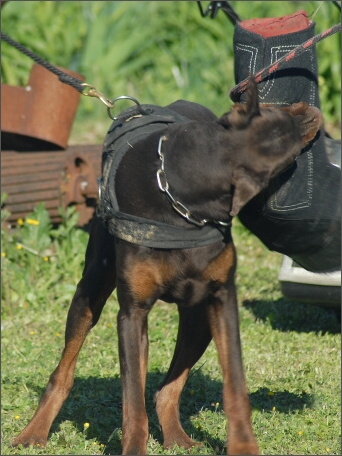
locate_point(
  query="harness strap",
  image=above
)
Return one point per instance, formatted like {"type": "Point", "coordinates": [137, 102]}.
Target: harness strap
{"type": "Point", "coordinates": [147, 233]}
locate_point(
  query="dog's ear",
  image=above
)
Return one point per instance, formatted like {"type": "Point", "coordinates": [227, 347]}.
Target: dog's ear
{"type": "Point", "coordinates": [309, 119]}
{"type": "Point", "coordinates": [241, 114]}
{"type": "Point", "coordinates": [245, 188]}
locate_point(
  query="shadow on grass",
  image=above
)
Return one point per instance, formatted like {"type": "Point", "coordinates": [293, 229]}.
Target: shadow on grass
{"type": "Point", "coordinates": [283, 401]}
{"type": "Point", "coordinates": [97, 401]}
{"type": "Point", "coordinates": [286, 315]}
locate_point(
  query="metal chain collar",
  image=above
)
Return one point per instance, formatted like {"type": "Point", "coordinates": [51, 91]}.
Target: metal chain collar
{"type": "Point", "coordinates": [177, 205]}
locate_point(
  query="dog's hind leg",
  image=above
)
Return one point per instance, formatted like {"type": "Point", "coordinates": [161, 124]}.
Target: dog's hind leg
{"type": "Point", "coordinates": [97, 283]}
{"type": "Point", "coordinates": [192, 340]}
{"type": "Point", "coordinates": [224, 323]}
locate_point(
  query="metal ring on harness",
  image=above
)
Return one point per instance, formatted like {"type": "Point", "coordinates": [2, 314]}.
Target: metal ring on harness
{"type": "Point", "coordinates": [123, 97]}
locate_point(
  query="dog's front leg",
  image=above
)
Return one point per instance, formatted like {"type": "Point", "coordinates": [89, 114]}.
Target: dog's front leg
{"type": "Point", "coordinates": [133, 351]}
{"type": "Point", "coordinates": [97, 284]}
{"type": "Point", "coordinates": [224, 323]}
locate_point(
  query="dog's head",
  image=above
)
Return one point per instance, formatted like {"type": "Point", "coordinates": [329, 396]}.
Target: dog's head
{"type": "Point", "coordinates": [267, 139]}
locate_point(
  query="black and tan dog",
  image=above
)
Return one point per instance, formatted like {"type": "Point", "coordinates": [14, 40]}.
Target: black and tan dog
{"type": "Point", "coordinates": [163, 232]}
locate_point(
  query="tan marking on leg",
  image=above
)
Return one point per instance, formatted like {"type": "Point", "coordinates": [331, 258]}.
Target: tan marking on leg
{"type": "Point", "coordinates": [221, 267]}
{"type": "Point", "coordinates": [146, 276]}
{"type": "Point", "coordinates": [167, 407]}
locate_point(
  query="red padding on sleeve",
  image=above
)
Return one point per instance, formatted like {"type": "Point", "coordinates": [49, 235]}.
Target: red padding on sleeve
{"type": "Point", "coordinates": [275, 26]}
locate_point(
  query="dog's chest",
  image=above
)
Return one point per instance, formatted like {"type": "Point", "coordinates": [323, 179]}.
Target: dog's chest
{"type": "Point", "coordinates": [198, 284]}
{"type": "Point", "coordinates": [186, 278]}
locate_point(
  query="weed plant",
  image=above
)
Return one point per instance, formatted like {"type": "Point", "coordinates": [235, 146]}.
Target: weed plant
{"type": "Point", "coordinates": [291, 354]}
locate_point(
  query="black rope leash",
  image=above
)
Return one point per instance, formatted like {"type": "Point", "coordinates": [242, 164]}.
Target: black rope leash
{"type": "Point", "coordinates": [265, 72]}
{"type": "Point", "coordinates": [82, 87]}
{"type": "Point", "coordinates": [62, 76]}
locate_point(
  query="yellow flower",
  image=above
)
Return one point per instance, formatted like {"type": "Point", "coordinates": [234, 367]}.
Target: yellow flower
{"type": "Point", "coordinates": [58, 335]}
{"type": "Point", "coordinates": [32, 221]}
{"type": "Point", "coordinates": [32, 332]}
{"type": "Point", "coordinates": [19, 246]}
{"type": "Point", "coordinates": [3, 254]}
{"type": "Point", "coordinates": [20, 221]}
{"type": "Point", "coordinates": [46, 258]}
{"type": "Point", "coordinates": [273, 409]}
{"type": "Point", "coordinates": [17, 417]}
{"type": "Point", "coordinates": [300, 432]}
{"type": "Point", "coordinates": [86, 425]}
{"type": "Point", "coordinates": [327, 450]}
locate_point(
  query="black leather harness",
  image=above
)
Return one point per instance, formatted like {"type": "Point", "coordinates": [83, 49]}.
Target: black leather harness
{"type": "Point", "coordinates": [127, 130]}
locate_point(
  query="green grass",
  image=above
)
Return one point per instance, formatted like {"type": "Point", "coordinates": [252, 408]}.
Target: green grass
{"type": "Point", "coordinates": [291, 354]}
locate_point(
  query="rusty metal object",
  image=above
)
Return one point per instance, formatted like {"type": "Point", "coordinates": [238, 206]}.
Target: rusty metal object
{"type": "Point", "coordinates": [36, 121]}
{"type": "Point", "coordinates": [40, 115]}
{"type": "Point", "coordinates": [79, 186]}
{"type": "Point", "coordinates": [59, 179]}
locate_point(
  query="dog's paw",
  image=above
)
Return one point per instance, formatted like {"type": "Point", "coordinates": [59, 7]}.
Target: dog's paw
{"type": "Point", "coordinates": [29, 440]}
{"type": "Point", "coordinates": [180, 439]}
{"type": "Point", "coordinates": [246, 448]}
